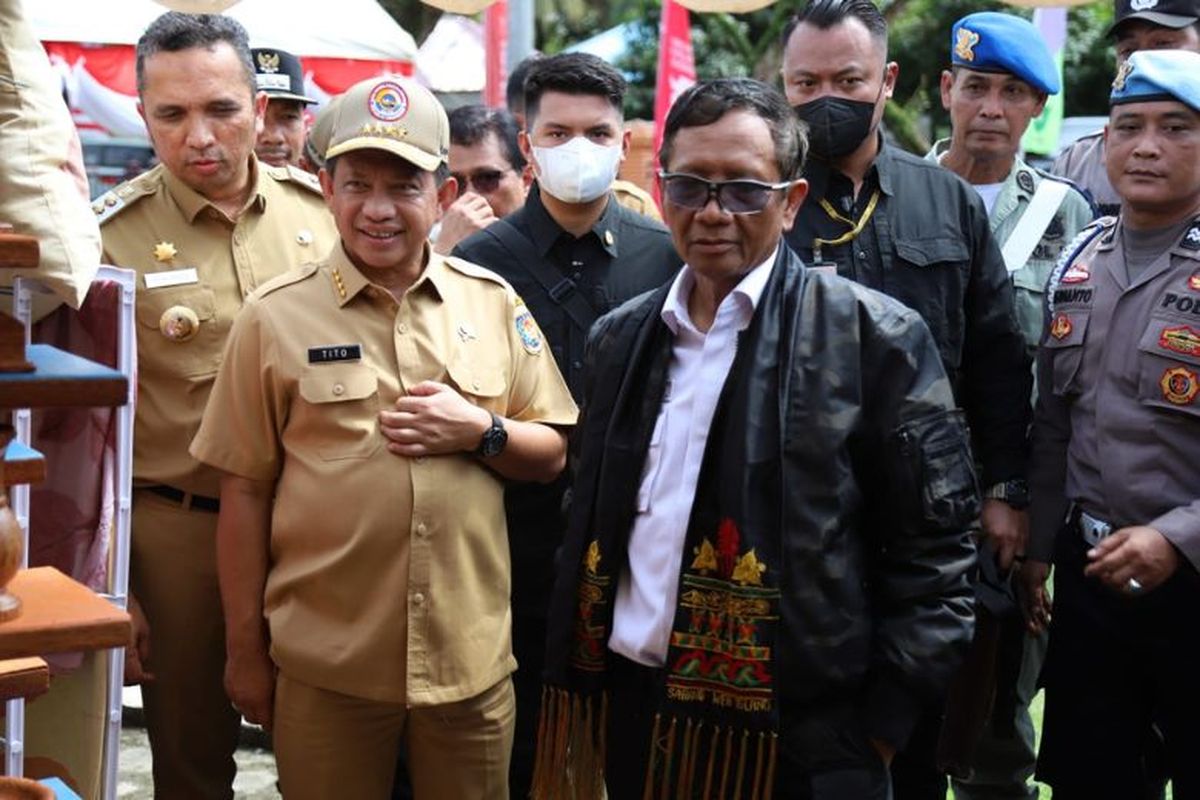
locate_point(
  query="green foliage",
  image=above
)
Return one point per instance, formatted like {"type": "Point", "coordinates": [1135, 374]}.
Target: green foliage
{"type": "Point", "coordinates": [749, 44]}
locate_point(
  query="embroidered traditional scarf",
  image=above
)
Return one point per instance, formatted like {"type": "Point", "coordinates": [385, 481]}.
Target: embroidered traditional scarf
{"type": "Point", "coordinates": [715, 730]}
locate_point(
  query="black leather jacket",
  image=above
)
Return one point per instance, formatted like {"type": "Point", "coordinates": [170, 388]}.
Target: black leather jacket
{"type": "Point", "coordinates": [879, 499]}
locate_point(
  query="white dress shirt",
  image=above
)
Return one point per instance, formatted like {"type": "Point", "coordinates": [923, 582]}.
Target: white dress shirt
{"type": "Point", "coordinates": [648, 587]}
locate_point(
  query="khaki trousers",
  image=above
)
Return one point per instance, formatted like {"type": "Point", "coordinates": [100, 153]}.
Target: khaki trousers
{"type": "Point", "coordinates": [330, 745]}
{"type": "Point", "coordinates": [192, 726]}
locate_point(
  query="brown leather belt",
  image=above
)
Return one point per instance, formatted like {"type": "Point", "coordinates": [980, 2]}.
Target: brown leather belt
{"type": "Point", "coordinates": [185, 499]}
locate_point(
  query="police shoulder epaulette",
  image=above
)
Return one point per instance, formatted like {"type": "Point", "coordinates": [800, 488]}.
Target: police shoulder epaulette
{"type": "Point", "coordinates": [297, 175]}
{"type": "Point", "coordinates": [475, 271]}
{"type": "Point", "coordinates": [1081, 240]}
{"type": "Point", "coordinates": [113, 202]}
{"type": "Point", "coordinates": [302, 272]}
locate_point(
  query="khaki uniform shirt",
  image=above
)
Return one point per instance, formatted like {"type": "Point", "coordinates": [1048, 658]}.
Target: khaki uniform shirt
{"type": "Point", "coordinates": [39, 152]}
{"type": "Point", "coordinates": [1029, 282]}
{"type": "Point", "coordinates": [193, 262]}
{"type": "Point", "coordinates": [389, 576]}
{"type": "Point", "coordinates": [635, 198]}
{"type": "Point", "coordinates": [1083, 164]}
{"type": "Point", "coordinates": [1118, 419]}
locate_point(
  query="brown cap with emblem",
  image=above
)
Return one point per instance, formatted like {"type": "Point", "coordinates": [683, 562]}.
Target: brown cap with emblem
{"type": "Point", "coordinates": [393, 114]}
{"type": "Point", "coordinates": [278, 74]}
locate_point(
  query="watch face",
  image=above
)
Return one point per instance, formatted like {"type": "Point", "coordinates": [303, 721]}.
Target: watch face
{"type": "Point", "coordinates": [494, 439]}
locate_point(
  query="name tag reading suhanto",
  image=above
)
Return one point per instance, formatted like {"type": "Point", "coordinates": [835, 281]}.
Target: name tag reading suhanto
{"type": "Point", "coordinates": [171, 277]}
{"type": "Point", "coordinates": [332, 353]}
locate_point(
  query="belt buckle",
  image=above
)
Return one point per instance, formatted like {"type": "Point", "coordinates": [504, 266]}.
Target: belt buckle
{"type": "Point", "coordinates": [1093, 530]}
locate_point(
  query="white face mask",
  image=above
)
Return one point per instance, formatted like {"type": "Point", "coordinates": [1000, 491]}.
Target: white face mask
{"type": "Point", "coordinates": [577, 172]}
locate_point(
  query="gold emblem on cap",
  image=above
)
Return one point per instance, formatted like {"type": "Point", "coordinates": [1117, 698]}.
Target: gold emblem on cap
{"type": "Point", "coordinates": [965, 44]}
{"type": "Point", "coordinates": [304, 238]}
{"type": "Point", "coordinates": [1122, 75]}
{"type": "Point", "coordinates": [164, 251]}
{"type": "Point", "coordinates": [179, 323]}
{"type": "Point", "coordinates": [381, 131]}
{"type": "Point", "coordinates": [268, 62]}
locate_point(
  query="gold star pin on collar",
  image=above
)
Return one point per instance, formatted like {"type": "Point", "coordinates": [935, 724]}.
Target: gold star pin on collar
{"type": "Point", "coordinates": [164, 251]}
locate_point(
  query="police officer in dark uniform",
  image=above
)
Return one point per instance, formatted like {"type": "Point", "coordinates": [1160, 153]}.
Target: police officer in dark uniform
{"type": "Point", "coordinates": [280, 77]}
{"type": "Point", "coordinates": [1137, 25]}
{"type": "Point", "coordinates": [1116, 435]}
{"type": "Point", "coordinates": [573, 253]}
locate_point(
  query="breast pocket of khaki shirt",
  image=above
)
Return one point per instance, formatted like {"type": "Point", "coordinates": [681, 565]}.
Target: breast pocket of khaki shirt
{"type": "Point", "coordinates": [1068, 329]}
{"type": "Point", "coordinates": [481, 381]}
{"type": "Point", "coordinates": [172, 340]}
{"type": "Point", "coordinates": [1169, 365]}
{"type": "Point", "coordinates": [344, 410]}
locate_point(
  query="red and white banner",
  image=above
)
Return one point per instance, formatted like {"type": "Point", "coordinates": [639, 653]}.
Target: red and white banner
{"type": "Point", "coordinates": [495, 35]}
{"type": "Point", "coordinates": [101, 83]}
{"type": "Point", "coordinates": [676, 66]}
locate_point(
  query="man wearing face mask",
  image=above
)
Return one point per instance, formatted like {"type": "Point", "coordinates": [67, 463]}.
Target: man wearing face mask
{"type": "Point", "coordinates": [573, 253]}
{"type": "Point", "coordinates": [919, 233]}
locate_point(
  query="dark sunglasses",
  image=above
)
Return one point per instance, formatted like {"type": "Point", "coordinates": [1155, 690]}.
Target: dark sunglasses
{"type": "Point", "coordinates": [742, 196]}
{"type": "Point", "coordinates": [483, 181]}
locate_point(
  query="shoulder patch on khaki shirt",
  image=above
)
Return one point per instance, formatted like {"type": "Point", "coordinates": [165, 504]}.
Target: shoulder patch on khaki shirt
{"type": "Point", "coordinates": [296, 175]}
{"type": "Point", "coordinates": [475, 271]}
{"type": "Point", "coordinates": [111, 203]}
{"type": "Point", "coordinates": [302, 272]}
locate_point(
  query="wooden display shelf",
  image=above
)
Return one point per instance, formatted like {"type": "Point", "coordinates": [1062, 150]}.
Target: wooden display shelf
{"type": "Point", "coordinates": [22, 464]}
{"type": "Point", "coordinates": [23, 677]}
{"type": "Point", "coordinates": [59, 615]}
{"type": "Point", "coordinates": [61, 379]}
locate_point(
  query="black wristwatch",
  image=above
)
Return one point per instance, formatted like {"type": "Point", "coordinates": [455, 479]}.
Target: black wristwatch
{"type": "Point", "coordinates": [1015, 492]}
{"type": "Point", "coordinates": [494, 439]}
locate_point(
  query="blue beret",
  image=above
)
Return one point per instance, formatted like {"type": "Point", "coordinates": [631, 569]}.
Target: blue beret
{"type": "Point", "coordinates": [993, 42]}
{"type": "Point", "coordinates": [1159, 75]}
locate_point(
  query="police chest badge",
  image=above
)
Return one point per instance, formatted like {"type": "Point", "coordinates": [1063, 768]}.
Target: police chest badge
{"type": "Point", "coordinates": [1194, 281]}
{"type": "Point", "coordinates": [1180, 339]}
{"type": "Point", "coordinates": [1061, 327]}
{"type": "Point", "coordinates": [179, 323]}
{"type": "Point", "coordinates": [1179, 386]}
{"type": "Point", "coordinates": [527, 330]}
{"type": "Point", "coordinates": [1077, 273]}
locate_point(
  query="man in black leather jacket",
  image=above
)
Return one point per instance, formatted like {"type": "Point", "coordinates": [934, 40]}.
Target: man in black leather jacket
{"type": "Point", "coordinates": [765, 573]}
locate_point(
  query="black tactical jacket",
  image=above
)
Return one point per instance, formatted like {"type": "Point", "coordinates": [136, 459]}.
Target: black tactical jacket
{"type": "Point", "coordinates": [929, 245]}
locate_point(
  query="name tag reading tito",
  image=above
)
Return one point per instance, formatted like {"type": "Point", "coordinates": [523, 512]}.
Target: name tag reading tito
{"type": "Point", "coordinates": [334, 353]}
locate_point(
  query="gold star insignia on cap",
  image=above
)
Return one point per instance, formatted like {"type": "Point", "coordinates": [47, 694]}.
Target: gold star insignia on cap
{"type": "Point", "coordinates": [164, 251]}
{"type": "Point", "coordinates": [964, 46]}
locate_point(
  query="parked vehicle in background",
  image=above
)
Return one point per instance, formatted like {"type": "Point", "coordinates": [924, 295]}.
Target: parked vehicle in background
{"type": "Point", "coordinates": [110, 160]}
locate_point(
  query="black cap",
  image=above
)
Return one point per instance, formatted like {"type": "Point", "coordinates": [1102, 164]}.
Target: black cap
{"type": "Point", "coordinates": [1167, 13]}
{"type": "Point", "coordinates": [278, 74]}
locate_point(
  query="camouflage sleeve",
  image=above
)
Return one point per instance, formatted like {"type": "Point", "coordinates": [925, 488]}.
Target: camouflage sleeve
{"type": "Point", "coordinates": [928, 506]}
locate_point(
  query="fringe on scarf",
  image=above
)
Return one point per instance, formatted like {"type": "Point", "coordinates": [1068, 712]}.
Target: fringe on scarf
{"type": "Point", "coordinates": [688, 760]}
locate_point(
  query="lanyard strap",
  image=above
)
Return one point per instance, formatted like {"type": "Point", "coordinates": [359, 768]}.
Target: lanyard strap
{"type": "Point", "coordinates": [856, 227]}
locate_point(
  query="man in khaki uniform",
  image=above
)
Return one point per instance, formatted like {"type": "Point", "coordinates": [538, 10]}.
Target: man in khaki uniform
{"type": "Point", "coordinates": [368, 411]}
{"type": "Point", "coordinates": [204, 228]}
